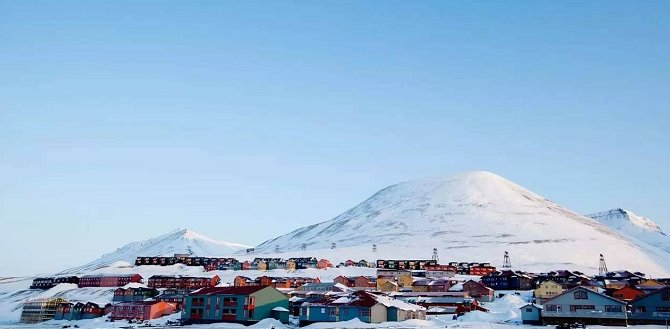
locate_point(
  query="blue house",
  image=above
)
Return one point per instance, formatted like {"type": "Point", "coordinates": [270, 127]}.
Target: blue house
{"type": "Point", "coordinates": [582, 305]}
{"type": "Point", "coordinates": [653, 308]}
{"type": "Point", "coordinates": [531, 314]}
{"type": "Point", "coordinates": [246, 305]}
{"type": "Point", "coordinates": [363, 305]}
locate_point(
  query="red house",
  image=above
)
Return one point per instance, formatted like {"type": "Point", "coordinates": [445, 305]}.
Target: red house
{"type": "Point", "coordinates": [479, 291]}
{"type": "Point", "coordinates": [627, 293]}
{"type": "Point", "coordinates": [481, 269]}
{"type": "Point", "coordinates": [323, 264]}
{"type": "Point", "coordinates": [108, 280]}
{"type": "Point", "coordinates": [142, 310]}
{"type": "Point", "coordinates": [182, 282]}
{"type": "Point", "coordinates": [349, 263]}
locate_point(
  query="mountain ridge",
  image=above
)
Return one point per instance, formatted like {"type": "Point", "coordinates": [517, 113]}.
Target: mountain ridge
{"type": "Point", "coordinates": [476, 214]}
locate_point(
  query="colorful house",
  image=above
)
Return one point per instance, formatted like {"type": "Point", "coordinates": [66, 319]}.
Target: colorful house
{"type": "Point", "coordinates": [362, 305]}
{"type": "Point", "coordinates": [627, 294]}
{"type": "Point", "coordinates": [323, 264]}
{"type": "Point", "coordinates": [182, 282]}
{"type": "Point", "coordinates": [508, 280]}
{"type": "Point", "coordinates": [146, 310]}
{"type": "Point", "coordinates": [531, 314]}
{"type": "Point", "coordinates": [108, 280]}
{"type": "Point", "coordinates": [479, 291]}
{"type": "Point", "coordinates": [244, 305]}
{"type": "Point", "coordinates": [548, 289]}
{"type": "Point", "coordinates": [175, 296]}
{"type": "Point", "coordinates": [133, 294]}
{"type": "Point", "coordinates": [582, 305]}
{"type": "Point", "coordinates": [653, 308]}
{"type": "Point", "coordinates": [650, 286]}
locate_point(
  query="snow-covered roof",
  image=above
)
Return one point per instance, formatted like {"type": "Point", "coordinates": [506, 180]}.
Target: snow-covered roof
{"type": "Point", "coordinates": [280, 309]}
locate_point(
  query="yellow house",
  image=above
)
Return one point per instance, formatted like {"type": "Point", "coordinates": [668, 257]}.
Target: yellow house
{"type": "Point", "coordinates": [548, 289]}
{"type": "Point", "coordinates": [291, 265]}
{"type": "Point", "coordinates": [380, 282]}
{"type": "Point", "coordinates": [405, 280]}
{"type": "Point", "coordinates": [262, 266]}
{"type": "Point", "coordinates": [387, 286]}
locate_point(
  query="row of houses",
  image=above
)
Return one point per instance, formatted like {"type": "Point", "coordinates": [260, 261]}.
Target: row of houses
{"type": "Point", "coordinates": [276, 282]}
{"type": "Point", "coordinates": [584, 305]}
{"type": "Point", "coordinates": [263, 264]}
{"type": "Point", "coordinates": [86, 281]}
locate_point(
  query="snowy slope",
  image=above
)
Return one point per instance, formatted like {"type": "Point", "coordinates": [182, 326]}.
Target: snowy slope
{"type": "Point", "coordinates": [180, 241]}
{"type": "Point", "coordinates": [629, 224]}
{"type": "Point", "coordinates": [472, 216]}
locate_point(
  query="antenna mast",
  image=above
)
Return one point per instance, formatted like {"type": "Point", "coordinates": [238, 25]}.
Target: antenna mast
{"type": "Point", "coordinates": [506, 262]}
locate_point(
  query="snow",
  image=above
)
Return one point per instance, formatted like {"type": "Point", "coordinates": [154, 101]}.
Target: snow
{"type": "Point", "coordinates": [177, 242]}
{"type": "Point", "coordinates": [636, 227]}
{"type": "Point", "coordinates": [475, 216]}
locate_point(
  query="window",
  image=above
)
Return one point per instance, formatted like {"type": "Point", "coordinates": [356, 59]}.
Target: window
{"type": "Point", "coordinates": [639, 309]}
{"type": "Point", "coordinates": [665, 296]}
{"type": "Point", "coordinates": [529, 309]}
{"type": "Point", "coordinates": [663, 309]}
{"type": "Point", "coordinates": [613, 308]}
{"type": "Point", "coordinates": [323, 310]}
{"type": "Point", "coordinates": [581, 295]}
{"type": "Point", "coordinates": [575, 308]}
{"type": "Point", "coordinates": [553, 308]}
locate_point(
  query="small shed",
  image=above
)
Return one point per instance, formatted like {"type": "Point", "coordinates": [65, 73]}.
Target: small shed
{"type": "Point", "coordinates": [531, 314]}
{"type": "Point", "coordinates": [281, 314]}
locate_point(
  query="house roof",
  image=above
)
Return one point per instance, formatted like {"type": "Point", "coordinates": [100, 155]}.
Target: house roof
{"type": "Point", "coordinates": [539, 307]}
{"type": "Point", "coordinates": [652, 294]}
{"type": "Point", "coordinates": [588, 291]}
{"type": "Point", "coordinates": [246, 290]}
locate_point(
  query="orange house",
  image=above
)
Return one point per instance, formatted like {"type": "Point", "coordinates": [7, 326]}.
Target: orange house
{"type": "Point", "coordinates": [142, 310]}
{"type": "Point", "coordinates": [323, 264]}
{"type": "Point", "coordinates": [627, 294]}
{"type": "Point", "coordinates": [241, 281]}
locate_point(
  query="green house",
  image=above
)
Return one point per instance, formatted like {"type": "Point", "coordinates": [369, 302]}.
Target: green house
{"type": "Point", "coordinates": [246, 305]}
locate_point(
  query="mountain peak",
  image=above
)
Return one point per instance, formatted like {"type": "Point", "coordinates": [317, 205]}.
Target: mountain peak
{"type": "Point", "coordinates": [476, 216]}
{"type": "Point", "coordinates": [619, 217]}
{"type": "Point", "coordinates": [180, 241]}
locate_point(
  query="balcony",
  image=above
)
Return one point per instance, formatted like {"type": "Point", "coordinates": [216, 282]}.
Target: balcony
{"type": "Point", "coordinates": [594, 314]}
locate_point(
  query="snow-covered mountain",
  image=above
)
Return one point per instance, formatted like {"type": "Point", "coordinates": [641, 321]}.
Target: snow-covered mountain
{"type": "Point", "coordinates": [628, 223]}
{"type": "Point", "coordinates": [180, 241]}
{"type": "Point", "coordinates": [474, 216]}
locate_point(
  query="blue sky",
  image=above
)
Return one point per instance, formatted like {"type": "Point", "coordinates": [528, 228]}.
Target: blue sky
{"type": "Point", "coordinates": [243, 120]}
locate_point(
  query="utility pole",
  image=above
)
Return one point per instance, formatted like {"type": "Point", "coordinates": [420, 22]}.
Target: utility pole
{"type": "Point", "coordinates": [435, 256]}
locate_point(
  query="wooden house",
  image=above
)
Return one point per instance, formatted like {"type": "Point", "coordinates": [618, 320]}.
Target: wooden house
{"type": "Point", "coordinates": [175, 296]}
{"type": "Point", "coordinates": [349, 263]}
{"type": "Point", "coordinates": [478, 291]}
{"type": "Point", "coordinates": [133, 294]}
{"type": "Point", "coordinates": [480, 269]}
{"type": "Point", "coordinates": [108, 280]}
{"type": "Point", "coordinates": [182, 282]}
{"type": "Point", "coordinates": [650, 286]}
{"type": "Point", "coordinates": [531, 314]}
{"type": "Point", "coordinates": [508, 280]}
{"type": "Point", "coordinates": [92, 311]}
{"type": "Point", "coordinates": [244, 305]}
{"type": "Point", "coordinates": [653, 308]}
{"type": "Point", "coordinates": [581, 305]}
{"type": "Point", "coordinates": [547, 289]}
{"type": "Point", "coordinates": [323, 264]}
{"type": "Point", "coordinates": [146, 310]}
{"type": "Point", "coordinates": [405, 280]}
{"type": "Point", "coordinates": [627, 294]}
{"type": "Point", "coordinates": [367, 307]}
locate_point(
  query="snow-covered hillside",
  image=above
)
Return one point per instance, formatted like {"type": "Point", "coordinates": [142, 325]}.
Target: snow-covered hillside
{"type": "Point", "coordinates": [628, 223]}
{"type": "Point", "coordinates": [180, 241]}
{"type": "Point", "coordinates": [472, 216]}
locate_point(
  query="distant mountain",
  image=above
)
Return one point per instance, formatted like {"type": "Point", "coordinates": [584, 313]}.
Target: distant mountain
{"type": "Point", "coordinates": [180, 241]}
{"type": "Point", "coordinates": [474, 216]}
{"type": "Point", "coordinates": [628, 223]}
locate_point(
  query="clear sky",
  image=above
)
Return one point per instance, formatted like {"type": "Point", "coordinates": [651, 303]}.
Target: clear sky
{"type": "Point", "coordinates": [243, 120]}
